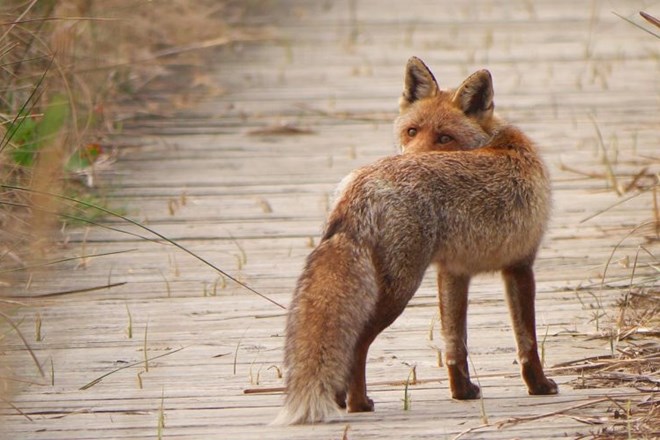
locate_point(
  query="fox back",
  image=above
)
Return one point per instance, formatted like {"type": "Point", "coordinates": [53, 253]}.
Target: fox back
{"type": "Point", "coordinates": [469, 212]}
{"type": "Point", "coordinates": [485, 204]}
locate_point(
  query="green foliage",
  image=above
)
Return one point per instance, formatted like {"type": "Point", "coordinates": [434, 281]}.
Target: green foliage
{"type": "Point", "coordinates": [83, 157]}
{"type": "Point", "coordinates": [21, 134]}
{"type": "Point", "coordinates": [29, 134]}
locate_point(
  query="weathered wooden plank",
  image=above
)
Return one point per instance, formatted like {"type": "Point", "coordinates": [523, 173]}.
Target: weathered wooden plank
{"type": "Point", "coordinates": [251, 204]}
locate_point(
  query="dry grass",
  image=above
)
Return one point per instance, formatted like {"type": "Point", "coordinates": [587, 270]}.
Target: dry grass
{"type": "Point", "coordinates": [632, 330]}
{"type": "Point", "coordinates": [634, 411]}
{"type": "Point", "coordinates": [70, 73]}
{"type": "Point", "coordinates": [634, 327]}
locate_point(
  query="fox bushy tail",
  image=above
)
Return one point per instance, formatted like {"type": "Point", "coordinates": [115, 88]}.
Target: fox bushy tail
{"type": "Point", "coordinates": [335, 297]}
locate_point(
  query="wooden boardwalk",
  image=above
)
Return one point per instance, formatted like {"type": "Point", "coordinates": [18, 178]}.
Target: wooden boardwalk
{"type": "Point", "coordinates": [227, 181]}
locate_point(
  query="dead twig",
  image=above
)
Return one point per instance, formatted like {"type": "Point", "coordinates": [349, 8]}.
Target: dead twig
{"type": "Point", "coordinates": [645, 15]}
{"type": "Point", "coordinates": [18, 410]}
{"type": "Point", "coordinates": [651, 19]}
{"type": "Point", "coordinates": [560, 412]}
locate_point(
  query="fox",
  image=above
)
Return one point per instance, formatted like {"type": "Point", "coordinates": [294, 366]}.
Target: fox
{"type": "Point", "coordinates": [469, 194]}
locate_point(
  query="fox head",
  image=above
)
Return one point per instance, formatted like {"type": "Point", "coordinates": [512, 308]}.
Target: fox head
{"type": "Point", "coordinates": [433, 119]}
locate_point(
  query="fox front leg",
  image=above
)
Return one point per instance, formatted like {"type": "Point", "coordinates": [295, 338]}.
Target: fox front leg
{"type": "Point", "coordinates": [452, 293]}
{"type": "Point", "coordinates": [520, 292]}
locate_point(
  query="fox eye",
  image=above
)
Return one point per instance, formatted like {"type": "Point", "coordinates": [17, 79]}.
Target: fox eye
{"type": "Point", "coordinates": [412, 132]}
{"type": "Point", "coordinates": [445, 139]}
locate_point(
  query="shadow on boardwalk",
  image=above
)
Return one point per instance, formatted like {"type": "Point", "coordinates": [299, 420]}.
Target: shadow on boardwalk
{"type": "Point", "coordinates": [175, 341]}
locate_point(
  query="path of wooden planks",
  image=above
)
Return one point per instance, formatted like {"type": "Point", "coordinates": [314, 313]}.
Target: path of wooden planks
{"type": "Point", "coordinates": [253, 204]}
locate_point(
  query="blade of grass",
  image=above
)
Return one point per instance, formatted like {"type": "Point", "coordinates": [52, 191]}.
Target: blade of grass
{"type": "Point", "coordinates": [129, 327]}
{"type": "Point", "coordinates": [161, 415]}
{"type": "Point", "coordinates": [243, 257]}
{"type": "Point", "coordinates": [20, 17]}
{"type": "Point", "coordinates": [482, 404]}
{"type": "Point", "coordinates": [37, 328]}
{"type": "Point", "coordinates": [516, 420]}
{"type": "Point", "coordinates": [617, 204]}
{"type": "Point", "coordinates": [629, 234]}
{"type": "Point", "coordinates": [167, 284]}
{"type": "Point", "coordinates": [144, 348]}
{"type": "Point", "coordinates": [345, 433]}
{"type": "Point", "coordinates": [68, 292]}
{"type": "Point", "coordinates": [36, 34]}
{"type": "Point", "coordinates": [79, 219]}
{"type": "Point", "coordinates": [238, 345]}
{"type": "Point", "coordinates": [611, 176]}
{"type": "Point", "coordinates": [39, 20]}
{"type": "Point", "coordinates": [100, 378]}
{"type": "Point", "coordinates": [9, 133]}
{"type": "Point", "coordinates": [25, 342]}
{"type": "Point", "coordinates": [154, 232]}
{"type": "Point", "coordinates": [17, 409]}
{"type": "Point", "coordinates": [64, 260]}
{"type": "Point", "coordinates": [214, 42]}
{"type": "Point", "coordinates": [656, 211]}
{"type": "Point", "coordinates": [13, 303]}
{"type": "Point", "coordinates": [626, 298]}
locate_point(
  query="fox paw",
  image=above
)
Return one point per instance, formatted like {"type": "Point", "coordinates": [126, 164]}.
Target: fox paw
{"type": "Point", "coordinates": [340, 399]}
{"type": "Point", "coordinates": [543, 387]}
{"type": "Point", "coordinates": [467, 391]}
{"type": "Point", "coordinates": [365, 405]}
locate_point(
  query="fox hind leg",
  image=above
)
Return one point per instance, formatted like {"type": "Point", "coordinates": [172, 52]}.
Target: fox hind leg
{"type": "Point", "coordinates": [357, 399]}
{"type": "Point", "coordinates": [386, 313]}
{"type": "Point", "coordinates": [520, 293]}
{"type": "Point", "coordinates": [340, 399]}
{"type": "Point", "coordinates": [452, 293]}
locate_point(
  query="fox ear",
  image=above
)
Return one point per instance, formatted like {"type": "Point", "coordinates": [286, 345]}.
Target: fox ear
{"type": "Point", "coordinates": [419, 83]}
{"type": "Point", "coordinates": [475, 95]}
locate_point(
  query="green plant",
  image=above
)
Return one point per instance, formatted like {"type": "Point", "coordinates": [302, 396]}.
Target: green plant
{"type": "Point", "coordinates": [129, 326]}
{"type": "Point", "coordinates": [29, 133]}
{"type": "Point", "coordinates": [37, 328]}
{"type": "Point", "coordinates": [161, 415]}
{"type": "Point", "coordinates": [411, 379]}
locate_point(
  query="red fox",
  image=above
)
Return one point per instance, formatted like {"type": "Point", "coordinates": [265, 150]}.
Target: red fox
{"type": "Point", "coordinates": [467, 212]}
